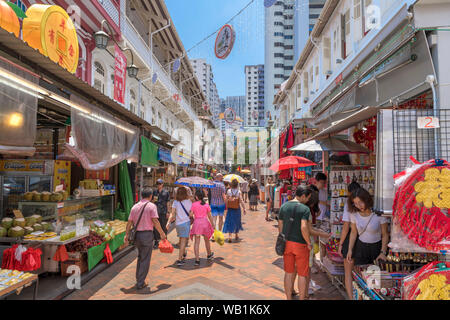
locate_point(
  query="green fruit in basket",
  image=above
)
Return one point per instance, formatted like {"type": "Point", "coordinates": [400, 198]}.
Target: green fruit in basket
{"type": "Point", "coordinates": [28, 230]}
{"type": "Point", "coordinates": [3, 232]}
{"type": "Point", "coordinates": [46, 226]}
{"type": "Point", "coordinates": [37, 197]}
{"type": "Point", "coordinates": [16, 232]}
{"type": "Point", "coordinates": [38, 218]}
{"type": "Point", "coordinates": [38, 227]}
{"type": "Point", "coordinates": [7, 223]}
{"type": "Point", "coordinates": [19, 222]}
{"type": "Point", "coordinates": [30, 221]}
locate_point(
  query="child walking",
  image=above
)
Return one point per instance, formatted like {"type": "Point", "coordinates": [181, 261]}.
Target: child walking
{"type": "Point", "coordinates": [203, 226]}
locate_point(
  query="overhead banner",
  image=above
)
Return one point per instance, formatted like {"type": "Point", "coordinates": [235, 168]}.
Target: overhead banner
{"type": "Point", "coordinates": [120, 75]}
{"type": "Point", "coordinates": [165, 155]}
{"type": "Point", "coordinates": [225, 42]}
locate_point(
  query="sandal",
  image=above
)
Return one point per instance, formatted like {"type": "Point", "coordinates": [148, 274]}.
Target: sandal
{"type": "Point", "coordinates": [197, 263]}
{"type": "Point", "coordinates": [230, 241]}
{"type": "Point", "coordinates": [211, 256]}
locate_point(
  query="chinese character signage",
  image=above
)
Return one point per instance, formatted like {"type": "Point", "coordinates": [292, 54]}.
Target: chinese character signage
{"type": "Point", "coordinates": [120, 74]}
{"type": "Point", "coordinates": [50, 30]}
{"type": "Point", "coordinates": [62, 174]}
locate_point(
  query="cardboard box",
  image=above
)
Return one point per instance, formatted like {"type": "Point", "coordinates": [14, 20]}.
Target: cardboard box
{"type": "Point", "coordinates": [82, 264]}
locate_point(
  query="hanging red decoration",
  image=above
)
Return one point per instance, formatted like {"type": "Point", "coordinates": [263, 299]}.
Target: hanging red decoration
{"type": "Point", "coordinates": [422, 203]}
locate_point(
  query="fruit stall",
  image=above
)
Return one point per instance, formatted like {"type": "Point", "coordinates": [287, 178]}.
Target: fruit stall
{"type": "Point", "coordinates": [12, 281]}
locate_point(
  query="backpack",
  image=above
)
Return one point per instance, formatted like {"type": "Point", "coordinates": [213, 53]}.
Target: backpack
{"type": "Point", "coordinates": [233, 201]}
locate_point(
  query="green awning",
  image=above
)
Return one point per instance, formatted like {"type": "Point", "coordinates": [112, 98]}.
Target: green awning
{"type": "Point", "coordinates": [149, 153]}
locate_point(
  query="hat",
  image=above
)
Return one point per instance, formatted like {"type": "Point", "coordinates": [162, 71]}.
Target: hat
{"type": "Point", "coordinates": [160, 181]}
{"type": "Point", "coordinates": [254, 180]}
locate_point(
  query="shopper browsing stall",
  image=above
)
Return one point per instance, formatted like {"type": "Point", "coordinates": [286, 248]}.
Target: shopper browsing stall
{"type": "Point", "coordinates": [345, 238]}
{"type": "Point", "coordinates": [180, 214]}
{"type": "Point", "coordinates": [144, 217]}
{"type": "Point", "coordinates": [321, 184]}
{"type": "Point", "coordinates": [298, 244]}
{"type": "Point", "coordinates": [369, 232]}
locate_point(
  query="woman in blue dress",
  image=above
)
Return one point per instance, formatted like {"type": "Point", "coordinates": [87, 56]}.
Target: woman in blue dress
{"type": "Point", "coordinates": [233, 223]}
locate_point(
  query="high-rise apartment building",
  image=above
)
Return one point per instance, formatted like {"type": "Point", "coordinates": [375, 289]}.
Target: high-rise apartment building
{"type": "Point", "coordinates": [279, 50]}
{"type": "Point", "coordinates": [254, 106]}
{"type": "Point", "coordinates": [205, 76]}
{"type": "Point", "coordinates": [305, 17]}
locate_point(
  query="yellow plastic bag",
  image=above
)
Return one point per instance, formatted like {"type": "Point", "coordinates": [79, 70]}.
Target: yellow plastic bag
{"type": "Point", "coordinates": [316, 248]}
{"type": "Point", "coordinates": [219, 237]}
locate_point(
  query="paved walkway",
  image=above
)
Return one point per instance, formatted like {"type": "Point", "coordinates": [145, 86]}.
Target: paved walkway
{"type": "Point", "coordinates": [247, 270]}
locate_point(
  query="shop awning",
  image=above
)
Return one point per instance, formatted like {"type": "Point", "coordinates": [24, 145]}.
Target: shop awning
{"type": "Point", "coordinates": [332, 145]}
{"type": "Point", "coordinates": [352, 120]}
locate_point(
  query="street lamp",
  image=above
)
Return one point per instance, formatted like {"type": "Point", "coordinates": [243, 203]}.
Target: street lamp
{"type": "Point", "coordinates": [101, 42]}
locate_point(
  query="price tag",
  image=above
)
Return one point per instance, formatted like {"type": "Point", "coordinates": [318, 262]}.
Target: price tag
{"type": "Point", "coordinates": [59, 188]}
{"type": "Point", "coordinates": [18, 214]}
{"type": "Point", "coordinates": [428, 123]}
{"type": "Point", "coordinates": [79, 223]}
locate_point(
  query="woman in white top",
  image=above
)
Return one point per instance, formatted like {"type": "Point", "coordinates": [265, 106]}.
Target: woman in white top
{"type": "Point", "coordinates": [371, 229]}
{"type": "Point", "coordinates": [180, 214]}
{"type": "Point", "coordinates": [345, 238]}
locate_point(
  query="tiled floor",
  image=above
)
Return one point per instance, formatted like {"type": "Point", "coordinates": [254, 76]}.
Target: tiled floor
{"type": "Point", "coordinates": [247, 270]}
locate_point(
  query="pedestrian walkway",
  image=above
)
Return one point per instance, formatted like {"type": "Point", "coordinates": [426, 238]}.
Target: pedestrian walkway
{"type": "Point", "coordinates": [246, 270]}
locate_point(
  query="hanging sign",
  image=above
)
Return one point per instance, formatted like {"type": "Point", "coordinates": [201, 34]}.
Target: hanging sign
{"type": "Point", "coordinates": [120, 72]}
{"type": "Point", "coordinates": [62, 174]}
{"type": "Point", "coordinates": [269, 3]}
{"type": "Point", "coordinates": [50, 30]}
{"type": "Point", "coordinates": [176, 65]}
{"type": "Point", "coordinates": [230, 115]}
{"type": "Point", "coordinates": [300, 175]}
{"type": "Point", "coordinates": [428, 123]}
{"type": "Point", "coordinates": [224, 42]}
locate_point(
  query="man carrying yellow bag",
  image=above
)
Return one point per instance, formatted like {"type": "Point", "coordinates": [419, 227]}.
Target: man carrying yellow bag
{"type": "Point", "coordinates": [219, 238]}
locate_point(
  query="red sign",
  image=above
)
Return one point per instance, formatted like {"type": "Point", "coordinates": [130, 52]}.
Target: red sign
{"type": "Point", "coordinates": [300, 175]}
{"type": "Point", "coordinates": [120, 76]}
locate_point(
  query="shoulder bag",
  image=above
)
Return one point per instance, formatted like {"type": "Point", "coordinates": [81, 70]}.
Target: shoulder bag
{"type": "Point", "coordinates": [192, 219]}
{"type": "Point", "coordinates": [133, 231]}
{"type": "Point", "coordinates": [280, 245]}
{"type": "Point", "coordinates": [233, 201]}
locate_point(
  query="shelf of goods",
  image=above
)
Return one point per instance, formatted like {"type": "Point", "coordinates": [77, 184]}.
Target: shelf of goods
{"type": "Point", "coordinates": [90, 208]}
{"type": "Point", "coordinates": [340, 178]}
{"type": "Point", "coordinates": [12, 281]}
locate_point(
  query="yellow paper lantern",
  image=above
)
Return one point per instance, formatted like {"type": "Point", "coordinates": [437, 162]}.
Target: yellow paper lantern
{"type": "Point", "coordinates": [50, 30]}
{"type": "Point", "coordinates": [8, 19]}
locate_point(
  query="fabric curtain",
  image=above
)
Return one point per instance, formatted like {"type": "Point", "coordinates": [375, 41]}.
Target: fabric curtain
{"type": "Point", "coordinates": [101, 141]}
{"type": "Point", "coordinates": [126, 192]}
{"type": "Point", "coordinates": [18, 112]}
{"type": "Point", "coordinates": [149, 155]}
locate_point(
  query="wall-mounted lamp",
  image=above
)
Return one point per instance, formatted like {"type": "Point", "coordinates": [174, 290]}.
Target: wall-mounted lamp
{"type": "Point", "coordinates": [101, 42]}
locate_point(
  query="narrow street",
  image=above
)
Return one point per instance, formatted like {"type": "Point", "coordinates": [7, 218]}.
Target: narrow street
{"type": "Point", "coordinates": [248, 270]}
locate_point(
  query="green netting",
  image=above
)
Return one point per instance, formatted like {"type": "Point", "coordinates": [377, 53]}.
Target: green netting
{"type": "Point", "coordinates": [126, 193]}
{"type": "Point", "coordinates": [96, 254]}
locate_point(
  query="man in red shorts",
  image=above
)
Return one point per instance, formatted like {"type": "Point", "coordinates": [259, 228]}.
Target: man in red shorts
{"type": "Point", "coordinates": [293, 223]}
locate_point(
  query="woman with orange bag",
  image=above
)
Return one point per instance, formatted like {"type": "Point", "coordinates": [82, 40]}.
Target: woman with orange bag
{"type": "Point", "coordinates": [202, 226]}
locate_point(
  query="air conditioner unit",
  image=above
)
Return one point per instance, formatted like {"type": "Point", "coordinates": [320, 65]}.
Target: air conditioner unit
{"type": "Point", "coordinates": [338, 61]}
{"type": "Point", "coordinates": [329, 73]}
{"type": "Point", "coordinates": [312, 92]}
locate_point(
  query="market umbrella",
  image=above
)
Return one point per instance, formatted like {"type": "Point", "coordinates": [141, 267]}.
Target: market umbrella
{"type": "Point", "coordinates": [196, 182]}
{"type": "Point", "coordinates": [331, 144]}
{"type": "Point", "coordinates": [231, 177]}
{"type": "Point", "coordinates": [291, 162]}
{"type": "Point", "coordinates": [245, 171]}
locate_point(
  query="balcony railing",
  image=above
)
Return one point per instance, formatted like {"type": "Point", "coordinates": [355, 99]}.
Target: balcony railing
{"type": "Point", "coordinates": [143, 50]}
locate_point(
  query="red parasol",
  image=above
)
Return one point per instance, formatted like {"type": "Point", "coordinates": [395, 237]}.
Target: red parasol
{"type": "Point", "coordinates": [291, 162]}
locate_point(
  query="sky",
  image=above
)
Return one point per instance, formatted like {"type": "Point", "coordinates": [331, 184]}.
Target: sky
{"type": "Point", "coordinates": [197, 19]}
